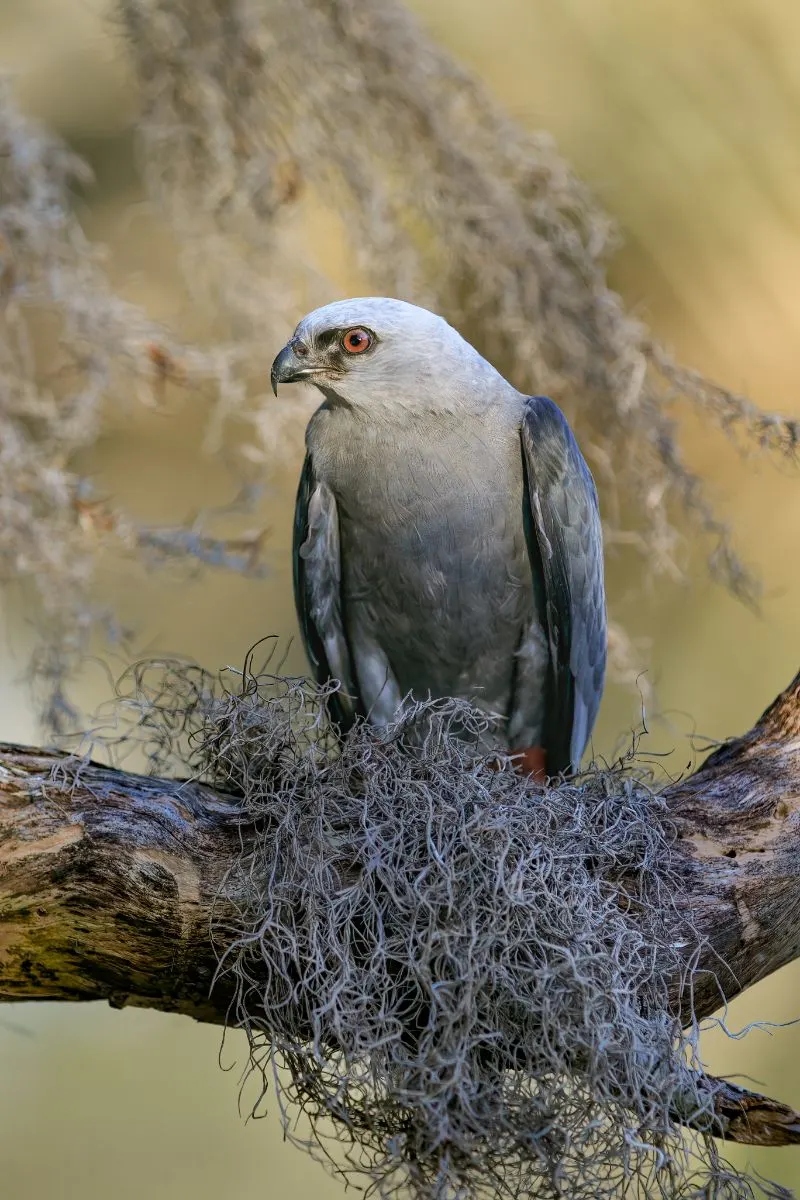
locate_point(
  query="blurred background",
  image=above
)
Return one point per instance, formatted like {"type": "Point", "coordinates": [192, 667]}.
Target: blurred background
{"type": "Point", "coordinates": [684, 117]}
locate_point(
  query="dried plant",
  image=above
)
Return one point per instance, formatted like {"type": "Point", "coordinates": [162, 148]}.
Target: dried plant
{"type": "Point", "coordinates": [453, 984]}
{"type": "Point", "coordinates": [70, 349]}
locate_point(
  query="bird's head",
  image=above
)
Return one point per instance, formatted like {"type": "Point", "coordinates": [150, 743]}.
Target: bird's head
{"type": "Point", "coordinates": [381, 354]}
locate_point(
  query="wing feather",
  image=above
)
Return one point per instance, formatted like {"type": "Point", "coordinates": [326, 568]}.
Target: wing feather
{"type": "Point", "coordinates": [565, 543]}
{"type": "Point", "coordinates": [317, 592]}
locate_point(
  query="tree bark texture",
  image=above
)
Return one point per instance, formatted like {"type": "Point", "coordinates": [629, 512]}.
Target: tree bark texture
{"type": "Point", "coordinates": [110, 883]}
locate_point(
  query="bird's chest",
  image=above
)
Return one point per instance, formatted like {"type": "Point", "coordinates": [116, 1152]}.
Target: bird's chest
{"type": "Point", "coordinates": [430, 525]}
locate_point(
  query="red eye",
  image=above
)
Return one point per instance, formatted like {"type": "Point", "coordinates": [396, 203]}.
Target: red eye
{"type": "Point", "coordinates": [356, 341]}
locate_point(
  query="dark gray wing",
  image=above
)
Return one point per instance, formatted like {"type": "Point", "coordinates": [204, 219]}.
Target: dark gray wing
{"type": "Point", "coordinates": [317, 592]}
{"type": "Point", "coordinates": [565, 542]}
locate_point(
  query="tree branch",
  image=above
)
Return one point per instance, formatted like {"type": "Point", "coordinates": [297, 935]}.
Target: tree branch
{"type": "Point", "coordinates": [109, 882]}
{"type": "Point", "coordinates": [738, 818]}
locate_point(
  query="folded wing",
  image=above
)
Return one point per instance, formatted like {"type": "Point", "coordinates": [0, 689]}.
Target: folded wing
{"type": "Point", "coordinates": [317, 592]}
{"type": "Point", "coordinates": [562, 527]}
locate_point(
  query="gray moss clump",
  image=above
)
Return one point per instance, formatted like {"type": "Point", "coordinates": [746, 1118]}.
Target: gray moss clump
{"type": "Point", "coordinates": [454, 984]}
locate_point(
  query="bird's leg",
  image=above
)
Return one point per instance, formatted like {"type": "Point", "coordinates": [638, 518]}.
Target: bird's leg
{"type": "Point", "coordinates": [532, 761]}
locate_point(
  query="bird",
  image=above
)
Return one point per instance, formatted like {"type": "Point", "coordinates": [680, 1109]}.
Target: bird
{"type": "Point", "coordinates": [447, 538]}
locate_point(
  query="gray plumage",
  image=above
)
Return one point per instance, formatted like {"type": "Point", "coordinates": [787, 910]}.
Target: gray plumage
{"type": "Point", "coordinates": [447, 536]}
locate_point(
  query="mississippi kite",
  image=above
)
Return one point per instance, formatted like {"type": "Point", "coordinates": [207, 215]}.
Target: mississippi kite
{"type": "Point", "coordinates": [447, 538]}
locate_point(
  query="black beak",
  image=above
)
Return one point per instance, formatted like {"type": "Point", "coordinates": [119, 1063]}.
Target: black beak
{"type": "Point", "coordinates": [289, 367]}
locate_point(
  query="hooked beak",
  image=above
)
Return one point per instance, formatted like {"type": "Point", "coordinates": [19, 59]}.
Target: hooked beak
{"type": "Point", "coordinates": [289, 367]}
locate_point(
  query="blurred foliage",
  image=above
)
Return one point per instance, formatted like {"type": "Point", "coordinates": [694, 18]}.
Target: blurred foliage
{"type": "Point", "coordinates": [442, 200]}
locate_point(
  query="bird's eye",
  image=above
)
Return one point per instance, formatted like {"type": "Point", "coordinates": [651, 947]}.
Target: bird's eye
{"type": "Point", "coordinates": [356, 341]}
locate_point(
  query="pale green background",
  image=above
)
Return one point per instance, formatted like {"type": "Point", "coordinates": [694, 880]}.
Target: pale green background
{"type": "Point", "coordinates": [685, 117]}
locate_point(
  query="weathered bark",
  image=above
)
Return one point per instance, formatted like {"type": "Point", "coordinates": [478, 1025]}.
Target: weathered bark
{"type": "Point", "coordinates": [109, 882]}
{"type": "Point", "coordinates": [739, 821]}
